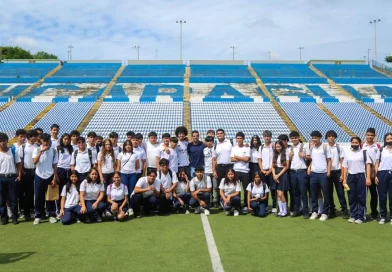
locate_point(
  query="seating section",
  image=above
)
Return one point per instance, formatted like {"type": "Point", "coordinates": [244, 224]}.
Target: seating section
{"type": "Point", "coordinates": [287, 73]}
{"type": "Point", "coordinates": [24, 72]}
{"type": "Point", "coordinates": [318, 91]}
{"type": "Point", "coordinates": [67, 90]}
{"type": "Point", "coordinates": [85, 73]}
{"type": "Point", "coordinates": [138, 117]}
{"type": "Point", "coordinates": [288, 90]}
{"type": "Point", "coordinates": [220, 74]}
{"type": "Point", "coordinates": [250, 118]}
{"type": "Point", "coordinates": [384, 91]}
{"type": "Point", "coordinates": [173, 73]}
{"type": "Point", "coordinates": [385, 109]}
{"type": "Point", "coordinates": [19, 115]}
{"type": "Point", "coordinates": [357, 118]}
{"type": "Point", "coordinates": [308, 117]}
{"type": "Point", "coordinates": [71, 114]}
{"type": "Point", "coordinates": [14, 91]}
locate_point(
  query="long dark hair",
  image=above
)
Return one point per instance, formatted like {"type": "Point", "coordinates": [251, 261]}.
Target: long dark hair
{"type": "Point", "coordinates": [104, 152]}
{"type": "Point", "coordinates": [282, 154]}
{"type": "Point", "coordinates": [69, 182]}
{"type": "Point", "coordinates": [385, 137]}
{"type": "Point", "coordinates": [125, 143]}
{"type": "Point", "coordinates": [89, 180]}
{"type": "Point", "coordinates": [235, 179]}
{"type": "Point", "coordinates": [61, 146]}
{"type": "Point", "coordinates": [179, 175]}
{"type": "Point", "coordinates": [258, 142]}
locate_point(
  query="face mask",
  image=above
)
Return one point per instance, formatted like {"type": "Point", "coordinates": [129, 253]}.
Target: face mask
{"type": "Point", "coordinates": [388, 143]}
{"type": "Point", "coordinates": [355, 147]}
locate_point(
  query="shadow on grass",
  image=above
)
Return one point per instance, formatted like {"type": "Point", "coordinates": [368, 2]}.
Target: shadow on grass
{"type": "Point", "coordinates": [6, 258]}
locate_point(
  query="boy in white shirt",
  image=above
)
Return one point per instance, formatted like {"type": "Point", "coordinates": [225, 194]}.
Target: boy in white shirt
{"type": "Point", "coordinates": [200, 187]}
{"type": "Point", "coordinates": [139, 150]}
{"type": "Point", "coordinates": [209, 153]}
{"type": "Point", "coordinates": [151, 150]}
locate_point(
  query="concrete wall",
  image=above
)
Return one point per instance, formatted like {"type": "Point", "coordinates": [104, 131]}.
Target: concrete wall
{"type": "Point", "coordinates": [277, 61]}
{"type": "Point", "coordinates": [217, 62]}
{"type": "Point", "coordinates": [152, 62]}
{"type": "Point", "coordinates": [93, 61]}
{"type": "Point", "coordinates": [358, 62]}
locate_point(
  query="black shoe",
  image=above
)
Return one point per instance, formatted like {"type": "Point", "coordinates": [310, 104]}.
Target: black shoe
{"type": "Point", "coordinates": [306, 215]}
{"type": "Point", "coordinates": [294, 214]}
{"type": "Point", "coordinates": [332, 214]}
{"type": "Point", "coordinates": [374, 217]}
{"type": "Point", "coordinates": [4, 221]}
{"type": "Point", "coordinates": [346, 214]}
{"type": "Point", "coordinates": [15, 222]}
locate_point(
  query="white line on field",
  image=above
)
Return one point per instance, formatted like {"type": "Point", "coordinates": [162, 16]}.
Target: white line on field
{"type": "Point", "coordinates": [212, 249]}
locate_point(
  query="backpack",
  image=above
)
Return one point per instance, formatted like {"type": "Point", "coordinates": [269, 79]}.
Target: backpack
{"type": "Point", "coordinates": [13, 151]}
{"type": "Point", "coordinates": [264, 187]}
{"type": "Point", "coordinates": [301, 148]}
{"type": "Point", "coordinates": [90, 155]}
{"type": "Point", "coordinates": [170, 174]}
{"type": "Point", "coordinates": [381, 149]}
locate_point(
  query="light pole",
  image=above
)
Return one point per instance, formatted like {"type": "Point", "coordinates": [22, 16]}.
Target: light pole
{"type": "Point", "coordinates": [70, 52]}
{"type": "Point", "coordinates": [137, 47]}
{"type": "Point", "coordinates": [269, 55]}
{"type": "Point", "coordinates": [181, 22]}
{"type": "Point", "coordinates": [156, 54]}
{"type": "Point", "coordinates": [233, 47]}
{"type": "Point", "coordinates": [368, 56]}
{"type": "Point", "coordinates": [300, 52]}
{"type": "Point", "coordinates": [375, 36]}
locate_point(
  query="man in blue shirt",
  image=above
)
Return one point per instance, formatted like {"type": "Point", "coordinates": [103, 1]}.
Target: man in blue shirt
{"type": "Point", "coordinates": [195, 153]}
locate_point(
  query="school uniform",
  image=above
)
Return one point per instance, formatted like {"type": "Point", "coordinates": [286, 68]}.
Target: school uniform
{"type": "Point", "coordinates": [195, 185]}
{"type": "Point", "coordinates": [118, 194]}
{"type": "Point", "coordinates": [128, 169]}
{"type": "Point", "coordinates": [83, 161]}
{"type": "Point", "coordinates": [27, 184]}
{"type": "Point", "coordinates": [92, 191]}
{"type": "Point", "coordinates": [241, 167]}
{"type": "Point", "coordinates": [182, 156]}
{"type": "Point", "coordinates": [299, 180]}
{"type": "Point", "coordinates": [8, 184]}
{"type": "Point", "coordinates": [355, 162]}
{"type": "Point", "coordinates": [107, 168]}
{"type": "Point", "coordinates": [183, 194]}
{"type": "Point", "coordinates": [19, 149]}
{"type": "Point", "coordinates": [44, 174]}
{"type": "Point", "coordinates": [337, 153]}
{"type": "Point", "coordinates": [258, 191]}
{"type": "Point", "coordinates": [253, 163]}
{"type": "Point", "coordinates": [55, 143]}
{"type": "Point", "coordinates": [196, 156]}
{"type": "Point", "coordinates": [384, 175]}
{"type": "Point", "coordinates": [141, 154]}
{"type": "Point", "coordinates": [94, 149]}
{"type": "Point", "coordinates": [146, 199]}
{"type": "Point", "coordinates": [172, 157]}
{"type": "Point", "coordinates": [63, 167]}
{"type": "Point", "coordinates": [266, 156]}
{"type": "Point", "coordinates": [151, 151]}
{"type": "Point", "coordinates": [284, 184]}
{"type": "Point", "coordinates": [208, 154]}
{"type": "Point", "coordinates": [372, 150]}
{"type": "Point", "coordinates": [229, 189]}
{"type": "Point", "coordinates": [167, 180]}
{"type": "Point", "coordinates": [71, 205]}
{"type": "Point", "coordinates": [223, 161]}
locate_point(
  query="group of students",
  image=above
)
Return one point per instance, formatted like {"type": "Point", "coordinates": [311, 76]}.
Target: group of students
{"type": "Point", "coordinates": [101, 178]}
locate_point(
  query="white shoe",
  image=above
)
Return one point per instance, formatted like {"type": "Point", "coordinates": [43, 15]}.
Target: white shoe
{"type": "Point", "coordinates": [358, 221]}
{"type": "Point", "coordinates": [187, 212]}
{"type": "Point", "coordinates": [382, 221]}
{"type": "Point", "coordinates": [37, 221]}
{"type": "Point", "coordinates": [351, 220]}
{"type": "Point", "coordinates": [52, 220]}
{"type": "Point", "coordinates": [280, 213]}
{"type": "Point", "coordinates": [236, 213]}
{"type": "Point", "coordinates": [274, 210]}
{"type": "Point", "coordinates": [130, 212]}
{"type": "Point", "coordinates": [323, 217]}
{"type": "Point", "coordinates": [107, 213]}
{"type": "Point", "coordinates": [9, 212]}
{"type": "Point", "coordinates": [206, 212]}
{"type": "Point", "coordinates": [228, 212]}
{"type": "Point", "coordinates": [245, 210]}
{"type": "Point", "coordinates": [197, 210]}
{"type": "Point", "coordinates": [78, 220]}
{"type": "Point", "coordinates": [313, 216]}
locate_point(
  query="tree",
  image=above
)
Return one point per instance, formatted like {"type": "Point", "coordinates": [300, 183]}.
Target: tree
{"type": "Point", "coordinates": [44, 55]}
{"type": "Point", "coordinates": [388, 59]}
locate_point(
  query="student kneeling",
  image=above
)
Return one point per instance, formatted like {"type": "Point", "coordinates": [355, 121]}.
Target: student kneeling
{"type": "Point", "coordinates": [70, 200]}
{"type": "Point", "coordinates": [117, 197]}
{"type": "Point", "coordinates": [200, 187]}
{"type": "Point", "coordinates": [230, 189]}
{"type": "Point", "coordinates": [257, 196]}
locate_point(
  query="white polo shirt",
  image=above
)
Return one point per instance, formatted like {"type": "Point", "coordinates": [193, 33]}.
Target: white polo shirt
{"type": "Point", "coordinates": [93, 149]}
{"type": "Point", "coordinates": [91, 189]}
{"type": "Point", "coordinates": [254, 155]}
{"type": "Point", "coordinates": [182, 153]}
{"type": "Point", "coordinates": [266, 155]}
{"type": "Point", "coordinates": [151, 154]}
{"type": "Point", "coordinates": [166, 180]}
{"type": "Point", "coordinates": [278, 161]}
{"type": "Point", "coordinates": [243, 151]}
{"type": "Point", "coordinates": [142, 183]}
{"type": "Point", "coordinates": [335, 157]}
{"type": "Point", "coordinates": [161, 153]}
{"type": "Point", "coordinates": [257, 190]}
{"type": "Point", "coordinates": [44, 167]}
{"type": "Point", "coordinates": [117, 193]}
{"type": "Point", "coordinates": [127, 162]}
{"type": "Point", "coordinates": [386, 160]}
{"type": "Point", "coordinates": [55, 142]}
{"type": "Point", "coordinates": [82, 163]}
{"type": "Point", "coordinates": [181, 188]}
{"type": "Point", "coordinates": [208, 154]}
{"type": "Point", "coordinates": [28, 155]}
{"type": "Point", "coordinates": [141, 154]}
{"type": "Point", "coordinates": [229, 188]}
{"type": "Point", "coordinates": [297, 162]}
{"type": "Point", "coordinates": [108, 166]}
{"type": "Point", "coordinates": [75, 146]}
{"type": "Point", "coordinates": [223, 152]}
{"type": "Point", "coordinates": [196, 184]}
{"type": "Point", "coordinates": [354, 161]}
{"type": "Point", "coordinates": [319, 161]}
{"type": "Point", "coordinates": [64, 159]}
{"type": "Point", "coordinates": [7, 162]}
{"type": "Point", "coordinates": [71, 198]}
{"type": "Point", "coordinates": [371, 150]}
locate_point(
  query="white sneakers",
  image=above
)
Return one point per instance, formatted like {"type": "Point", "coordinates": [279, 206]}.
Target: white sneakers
{"type": "Point", "coordinates": [197, 210]}
{"type": "Point", "coordinates": [52, 220]}
{"type": "Point", "coordinates": [313, 216]}
{"type": "Point", "coordinates": [37, 221]}
{"type": "Point", "coordinates": [206, 212]}
{"type": "Point", "coordinates": [187, 212]}
{"type": "Point", "coordinates": [351, 220]}
{"type": "Point", "coordinates": [382, 221]}
{"type": "Point", "coordinates": [323, 217]}
{"type": "Point", "coordinates": [228, 213]}
{"type": "Point", "coordinates": [236, 213]}
{"type": "Point", "coordinates": [274, 210]}
{"type": "Point", "coordinates": [245, 210]}
{"type": "Point", "coordinates": [130, 212]}
{"type": "Point", "coordinates": [358, 221]}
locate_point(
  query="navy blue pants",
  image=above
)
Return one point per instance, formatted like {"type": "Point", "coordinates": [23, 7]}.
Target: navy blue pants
{"type": "Point", "coordinates": [384, 190]}
{"type": "Point", "coordinates": [9, 190]}
{"type": "Point", "coordinates": [319, 181]}
{"type": "Point", "coordinates": [91, 211]}
{"type": "Point", "coordinates": [185, 198]}
{"type": "Point", "coordinates": [206, 197]}
{"type": "Point", "coordinates": [269, 181]}
{"type": "Point", "coordinates": [27, 187]}
{"type": "Point", "coordinates": [357, 196]}
{"type": "Point", "coordinates": [244, 179]}
{"type": "Point", "coordinates": [165, 203]}
{"type": "Point", "coordinates": [63, 175]}
{"type": "Point", "coordinates": [235, 202]}
{"type": "Point", "coordinates": [81, 177]}
{"type": "Point", "coordinates": [119, 203]}
{"type": "Point", "coordinates": [130, 181]}
{"type": "Point", "coordinates": [299, 189]}
{"type": "Point", "coordinates": [68, 212]}
{"type": "Point", "coordinates": [259, 208]}
{"type": "Point", "coordinates": [40, 188]}
{"type": "Point", "coordinates": [148, 203]}
{"type": "Point", "coordinates": [334, 179]}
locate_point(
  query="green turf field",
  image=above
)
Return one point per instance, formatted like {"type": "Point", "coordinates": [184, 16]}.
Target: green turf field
{"type": "Point", "coordinates": [177, 243]}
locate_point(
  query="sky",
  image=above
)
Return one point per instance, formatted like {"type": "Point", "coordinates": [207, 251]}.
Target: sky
{"type": "Point", "coordinates": [100, 30]}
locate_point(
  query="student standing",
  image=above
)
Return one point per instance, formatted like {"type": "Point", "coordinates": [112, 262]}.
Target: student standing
{"type": "Point", "coordinates": [163, 150]}
{"type": "Point", "coordinates": [141, 154]}
{"type": "Point", "coordinates": [54, 130]}
{"type": "Point", "coordinates": [74, 139]}
{"type": "Point", "coordinates": [70, 200]}
{"type": "Point", "coordinates": [113, 137]}
{"type": "Point", "coordinates": [82, 160]}
{"type": "Point", "coordinates": [18, 148]}
{"type": "Point", "coordinates": [200, 187]}
{"type": "Point", "coordinates": [265, 164]}
{"type": "Point", "coordinates": [257, 192]}
{"type": "Point", "coordinates": [106, 162]}
{"type": "Point", "coordinates": [64, 152]}
{"type": "Point", "coordinates": [117, 198]}
{"type": "Point", "coordinates": [151, 151]}
{"type": "Point", "coordinates": [230, 189]}
{"type": "Point", "coordinates": [195, 151]}
{"type": "Point", "coordinates": [209, 153]}
{"type": "Point", "coordinates": [280, 165]}
{"type": "Point", "coordinates": [127, 163]}
{"type": "Point", "coordinates": [181, 149]}
{"type": "Point", "coordinates": [254, 167]}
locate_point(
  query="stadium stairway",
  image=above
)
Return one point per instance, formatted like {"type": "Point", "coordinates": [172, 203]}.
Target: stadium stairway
{"type": "Point", "coordinates": [187, 104]}
{"type": "Point", "coordinates": [31, 87]}
{"type": "Point", "coordinates": [336, 120]}
{"type": "Point", "coordinates": [99, 101]}
{"type": "Point", "coordinates": [346, 93]}
{"type": "Point", "coordinates": [274, 103]}
{"type": "Point", "coordinates": [382, 71]}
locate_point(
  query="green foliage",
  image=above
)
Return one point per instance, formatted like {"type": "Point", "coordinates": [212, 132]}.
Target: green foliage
{"type": "Point", "coordinates": [44, 55]}
{"type": "Point", "coordinates": [15, 52]}
{"type": "Point", "coordinates": [388, 59]}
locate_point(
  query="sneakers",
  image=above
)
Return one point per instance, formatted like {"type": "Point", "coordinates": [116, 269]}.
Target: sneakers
{"type": "Point", "coordinates": [108, 213]}
{"type": "Point", "coordinates": [351, 220]}
{"type": "Point", "coordinates": [78, 220]}
{"type": "Point", "coordinates": [9, 212]}
{"type": "Point", "coordinates": [245, 210]}
{"type": "Point", "coordinates": [313, 216]}
{"type": "Point", "coordinates": [382, 221]}
{"type": "Point", "coordinates": [345, 214]}
{"type": "Point", "coordinates": [37, 221]}
{"type": "Point", "coordinates": [358, 221]}
{"type": "Point", "coordinates": [130, 212]}
{"type": "Point", "coordinates": [15, 221]}
{"type": "Point", "coordinates": [332, 214]}
{"type": "Point", "coordinates": [187, 212]}
{"type": "Point", "coordinates": [323, 217]}
{"type": "Point", "coordinates": [228, 213]}
{"type": "Point", "coordinates": [206, 212]}
{"type": "Point", "coordinates": [52, 220]}
{"type": "Point", "coordinates": [236, 213]}
{"type": "Point", "coordinates": [283, 214]}
{"type": "Point", "coordinates": [306, 216]}
{"type": "Point", "coordinates": [99, 218]}
{"type": "Point", "coordinates": [274, 210]}
{"type": "Point", "coordinates": [22, 216]}
{"type": "Point", "coordinates": [87, 220]}
{"type": "Point", "coordinates": [4, 221]}
{"type": "Point", "coordinates": [197, 210]}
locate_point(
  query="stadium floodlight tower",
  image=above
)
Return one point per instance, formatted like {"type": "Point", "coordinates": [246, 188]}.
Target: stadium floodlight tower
{"type": "Point", "coordinates": [181, 22]}
{"type": "Point", "coordinates": [375, 36]}
{"type": "Point", "coordinates": [233, 47]}
{"type": "Point", "coordinates": [70, 51]}
{"type": "Point", "coordinates": [300, 52]}
{"type": "Point", "coordinates": [137, 47]}
{"type": "Point", "coordinates": [156, 54]}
